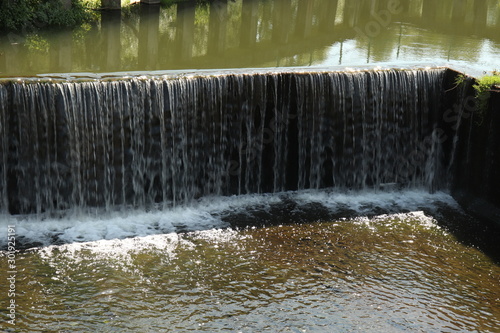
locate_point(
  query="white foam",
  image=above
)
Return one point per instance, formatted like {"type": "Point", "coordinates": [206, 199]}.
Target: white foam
{"type": "Point", "coordinates": [122, 253]}
{"type": "Point", "coordinates": [392, 220]}
{"type": "Point", "coordinates": [364, 202]}
{"type": "Point", "coordinates": [206, 214]}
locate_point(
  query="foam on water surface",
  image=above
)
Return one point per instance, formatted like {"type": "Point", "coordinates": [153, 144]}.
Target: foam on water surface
{"type": "Point", "coordinates": [220, 213]}
{"type": "Point", "coordinates": [375, 261]}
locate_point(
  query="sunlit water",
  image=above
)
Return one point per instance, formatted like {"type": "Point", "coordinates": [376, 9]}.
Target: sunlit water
{"type": "Point", "coordinates": [313, 261]}
{"type": "Point", "coordinates": [253, 33]}
{"type": "Point", "coordinates": [391, 264]}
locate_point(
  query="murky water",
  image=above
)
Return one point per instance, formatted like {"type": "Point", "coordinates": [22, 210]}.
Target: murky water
{"type": "Point", "coordinates": [295, 262]}
{"type": "Point", "coordinates": [389, 272]}
{"type": "Point", "coordinates": [253, 33]}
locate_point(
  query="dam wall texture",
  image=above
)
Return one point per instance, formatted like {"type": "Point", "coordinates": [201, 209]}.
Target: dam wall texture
{"type": "Point", "coordinates": [145, 141]}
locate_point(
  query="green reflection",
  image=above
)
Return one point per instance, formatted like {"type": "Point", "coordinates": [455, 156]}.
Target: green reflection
{"type": "Point", "coordinates": [257, 33]}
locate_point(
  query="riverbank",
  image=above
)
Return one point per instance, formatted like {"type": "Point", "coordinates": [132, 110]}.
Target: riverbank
{"type": "Point", "coordinates": [34, 15]}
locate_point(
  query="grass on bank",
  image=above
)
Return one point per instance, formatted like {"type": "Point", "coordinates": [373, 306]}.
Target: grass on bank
{"type": "Point", "coordinates": [484, 86]}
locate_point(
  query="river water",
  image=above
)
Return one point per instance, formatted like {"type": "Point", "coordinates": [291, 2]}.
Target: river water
{"type": "Point", "coordinates": [279, 33]}
{"type": "Point", "coordinates": [379, 259]}
{"type": "Point", "coordinates": [380, 262]}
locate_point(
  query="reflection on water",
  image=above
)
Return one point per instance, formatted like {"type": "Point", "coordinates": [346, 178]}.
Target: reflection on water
{"type": "Point", "coordinates": [389, 273]}
{"type": "Point", "coordinates": [253, 33]}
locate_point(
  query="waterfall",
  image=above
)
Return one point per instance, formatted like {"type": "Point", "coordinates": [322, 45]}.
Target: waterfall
{"type": "Point", "coordinates": [159, 140]}
{"type": "Point", "coordinates": [4, 149]}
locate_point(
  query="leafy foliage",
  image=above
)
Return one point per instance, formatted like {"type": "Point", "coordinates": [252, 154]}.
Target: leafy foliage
{"type": "Point", "coordinates": [28, 15]}
{"type": "Point", "coordinates": [460, 79]}
{"type": "Point", "coordinates": [483, 89]}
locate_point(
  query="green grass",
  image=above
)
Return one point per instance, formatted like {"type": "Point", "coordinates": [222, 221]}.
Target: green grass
{"type": "Point", "coordinates": [483, 88]}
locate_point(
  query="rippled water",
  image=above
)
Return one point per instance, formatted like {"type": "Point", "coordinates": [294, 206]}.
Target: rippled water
{"type": "Point", "coordinates": [257, 33]}
{"type": "Point", "coordinates": [390, 272]}
{"type": "Point", "coordinates": [290, 262]}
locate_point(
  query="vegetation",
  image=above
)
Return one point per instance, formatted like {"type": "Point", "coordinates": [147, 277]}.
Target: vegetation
{"type": "Point", "coordinates": [459, 80]}
{"type": "Point", "coordinates": [483, 88]}
{"type": "Point", "coordinates": [29, 15]}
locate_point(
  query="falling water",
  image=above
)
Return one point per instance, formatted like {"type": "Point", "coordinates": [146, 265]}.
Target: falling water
{"type": "Point", "coordinates": [3, 149]}
{"type": "Point", "coordinates": [163, 140]}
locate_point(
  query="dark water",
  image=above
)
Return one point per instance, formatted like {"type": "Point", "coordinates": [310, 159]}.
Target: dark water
{"type": "Point", "coordinates": [252, 33]}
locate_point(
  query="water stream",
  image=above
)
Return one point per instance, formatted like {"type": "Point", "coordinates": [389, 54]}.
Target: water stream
{"type": "Point", "coordinates": [144, 141]}
{"type": "Point", "coordinates": [394, 272]}
{"type": "Point", "coordinates": [291, 201]}
{"type": "Point", "coordinates": [315, 199]}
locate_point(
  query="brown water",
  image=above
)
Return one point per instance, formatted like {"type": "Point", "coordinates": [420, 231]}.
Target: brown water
{"type": "Point", "coordinates": [388, 273]}
{"type": "Point", "coordinates": [252, 33]}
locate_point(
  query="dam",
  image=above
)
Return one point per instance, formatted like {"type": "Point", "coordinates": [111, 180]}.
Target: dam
{"type": "Point", "coordinates": [142, 141]}
{"type": "Point", "coordinates": [250, 166]}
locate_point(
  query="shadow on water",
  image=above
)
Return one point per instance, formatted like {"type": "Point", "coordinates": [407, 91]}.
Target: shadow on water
{"type": "Point", "coordinates": [473, 232]}
{"type": "Point", "coordinates": [465, 228]}
{"type": "Point", "coordinates": [253, 33]}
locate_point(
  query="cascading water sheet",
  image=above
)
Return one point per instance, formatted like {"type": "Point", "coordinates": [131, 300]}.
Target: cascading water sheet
{"type": "Point", "coordinates": [3, 149]}
{"type": "Point", "coordinates": [148, 141]}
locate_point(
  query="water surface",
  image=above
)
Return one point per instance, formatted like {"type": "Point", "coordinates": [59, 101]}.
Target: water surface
{"type": "Point", "coordinates": [348, 262]}
{"type": "Point", "coordinates": [279, 33]}
{"type": "Point", "coordinates": [394, 272]}
{"type": "Point", "coordinates": [302, 261]}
